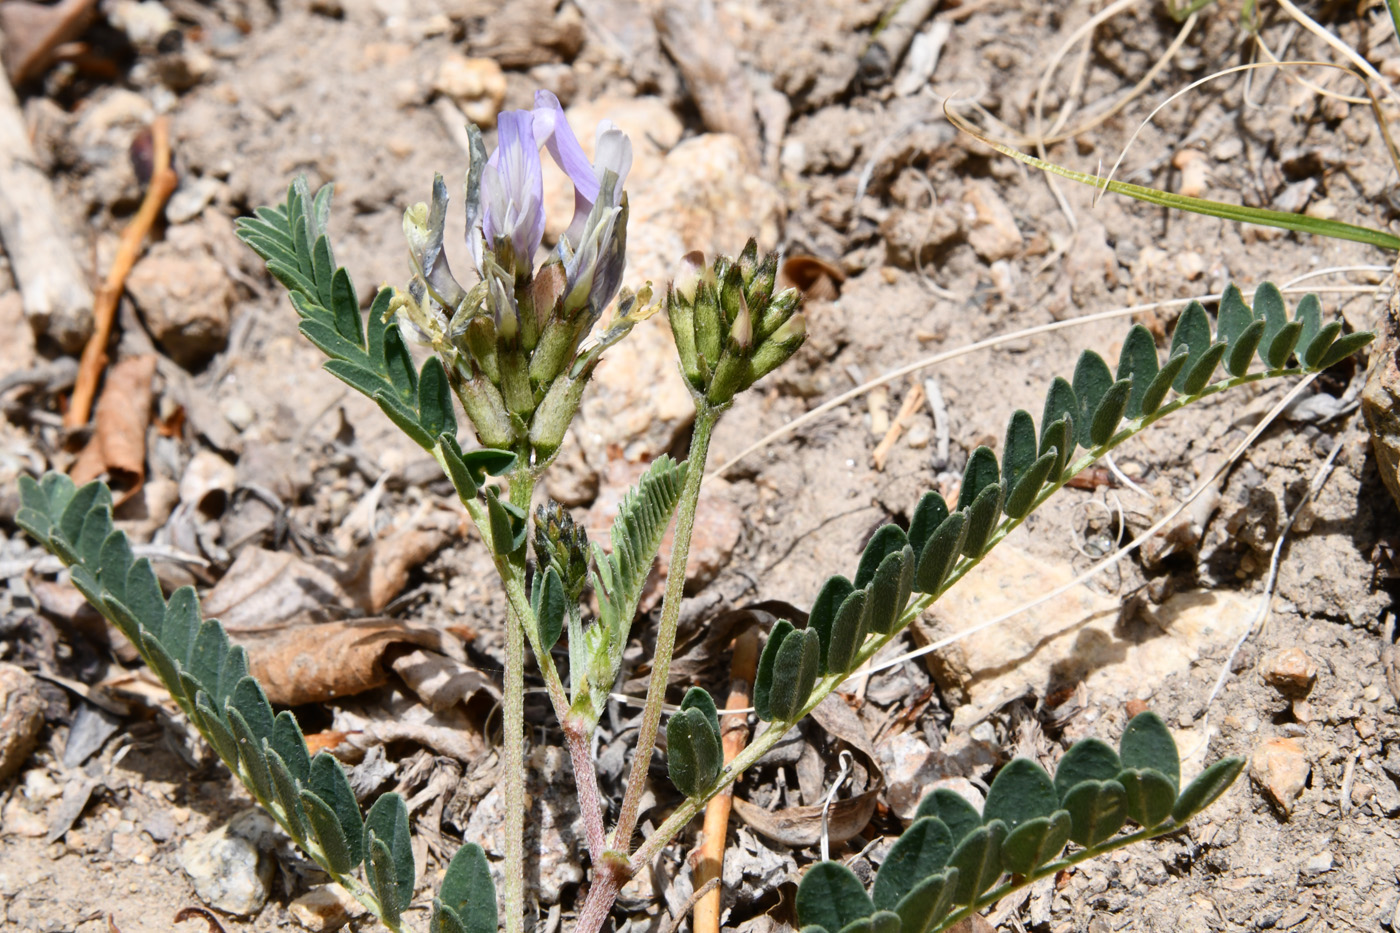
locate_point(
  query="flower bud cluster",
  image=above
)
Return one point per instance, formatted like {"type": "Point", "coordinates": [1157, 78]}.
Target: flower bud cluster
{"type": "Point", "coordinates": [730, 328]}
{"type": "Point", "coordinates": [562, 544]}
{"type": "Point", "coordinates": [515, 343]}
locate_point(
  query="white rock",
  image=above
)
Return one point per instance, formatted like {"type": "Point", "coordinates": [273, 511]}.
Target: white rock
{"type": "Point", "coordinates": [226, 866]}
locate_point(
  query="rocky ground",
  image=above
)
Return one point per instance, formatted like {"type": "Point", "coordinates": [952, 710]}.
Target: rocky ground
{"type": "Point", "coordinates": [312, 527]}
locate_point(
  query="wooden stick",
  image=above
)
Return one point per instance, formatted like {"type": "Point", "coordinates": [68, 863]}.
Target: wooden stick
{"type": "Point", "coordinates": [912, 401]}
{"type": "Point", "coordinates": [709, 865]}
{"type": "Point", "coordinates": [94, 361]}
{"type": "Point", "coordinates": [55, 291]}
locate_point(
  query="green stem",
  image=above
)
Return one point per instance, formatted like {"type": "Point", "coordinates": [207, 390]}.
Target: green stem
{"type": "Point", "coordinates": [705, 420]}
{"type": "Point", "coordinates": [513, 720]}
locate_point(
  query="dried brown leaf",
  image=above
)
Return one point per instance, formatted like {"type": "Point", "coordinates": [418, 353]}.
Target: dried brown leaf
{"type": "Point", "coordinates": [314, 662]}
{"type": "Point", "coordinates": [802, 826]}
{"type": "Point", "coordinates": [265, 589]}
{"type": "Point", "coordinates": [117, 447]}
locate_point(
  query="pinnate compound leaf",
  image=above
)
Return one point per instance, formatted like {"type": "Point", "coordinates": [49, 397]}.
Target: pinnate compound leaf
{"type": "Point", "coordinates": [1092, 380]}
{"type": "Point", "coordinates": [1192, 336]}
{"type": "Point", "coordinates": [329, 783]}
{"type": "Point", "coordinates": [1206, 788]}
{"type": "Point", "coordinates": [1148, 743]}
{"type": "Point", "coordinates": [636, 533]}
{"type": "Point", "coordinates": [1097, 810]}
{"type": "Point", "coordinates": [469, 891]}
{"type": "Point", "coordinates": [831, 896]}
{"type": "Point", "coordinates": [386, 824]}
{"type": "Point", "coordinates": [1242, 349]}
{"type": "Point", "coordinates": [1087, 760]}
{"type": "Point", "coordinates": [1035, 843]}
{"type": "Point", "coordinates": [978, 861]}
{"type": "Point", "coordinates": [1150, 796]}
{"type": "Point", "coordinates": [981, 471]}
{"type": "Point", "coordinates": [954, 810]}
{"type": "Point", "coordinates": [1021, 792]}
{"type": "Point", "coordinates": [928, 903]}
{"type": "Point", "coordinates": [921, 852]}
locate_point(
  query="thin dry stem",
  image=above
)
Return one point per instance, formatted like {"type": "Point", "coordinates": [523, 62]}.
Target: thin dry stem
{"type": "Point", "coordinates": [94, 361]}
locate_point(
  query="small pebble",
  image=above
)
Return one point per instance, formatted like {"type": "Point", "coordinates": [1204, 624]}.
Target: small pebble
{"type": "Point", "coordinates": [1290, 671]}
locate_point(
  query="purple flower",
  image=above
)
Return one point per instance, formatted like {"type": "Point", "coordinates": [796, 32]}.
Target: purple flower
{"type": "Point", "coordinates": [512, 188]}
{"type": "Point", "coordinates": [612, 157]}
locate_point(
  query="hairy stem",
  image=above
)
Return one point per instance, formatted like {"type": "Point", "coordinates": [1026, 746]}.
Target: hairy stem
{"type": "Point", "coordinates": [513, 718]}
{"type": "Point", "coordinates": [666, 635]}
{"type": "Point", "coordinates": [576, 737]}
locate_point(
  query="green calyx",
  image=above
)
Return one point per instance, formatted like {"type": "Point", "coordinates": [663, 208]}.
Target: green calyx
{"type": "Point", "coordinates": [730, 328]}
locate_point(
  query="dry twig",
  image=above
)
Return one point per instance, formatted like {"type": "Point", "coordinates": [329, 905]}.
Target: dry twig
{"type": "Point", "coordinates": [162, 185]}
{"type": "Point", "coordinates": [709, 866]}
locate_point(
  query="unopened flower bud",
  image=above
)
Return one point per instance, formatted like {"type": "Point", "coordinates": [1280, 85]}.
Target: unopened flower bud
{"type": "Point", "coordinates": [759, 287]}
{"type": "Point", "coordinates": [731, 375]}
{"type": "Point", "coordinates": [748, 261]}
{"type": "Point", "coordinates": [778, 348]}
{"type": "Point", "coordinates": [741, 329]}
{"type": "Point", "coordinates": [777, 312]}
{"type": "Point", "coordinates": [731, 293]}
{"type": "Point", "coordinates": [688, 275]}
{"type": "Point", "coordinates": [562, 544]}
{"type": "Point", "coordinates": [487, 411]}
{"type": "Point", "coordinates": [553, 415]}
{"type": "Point", "coordinates": [709, 325]}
